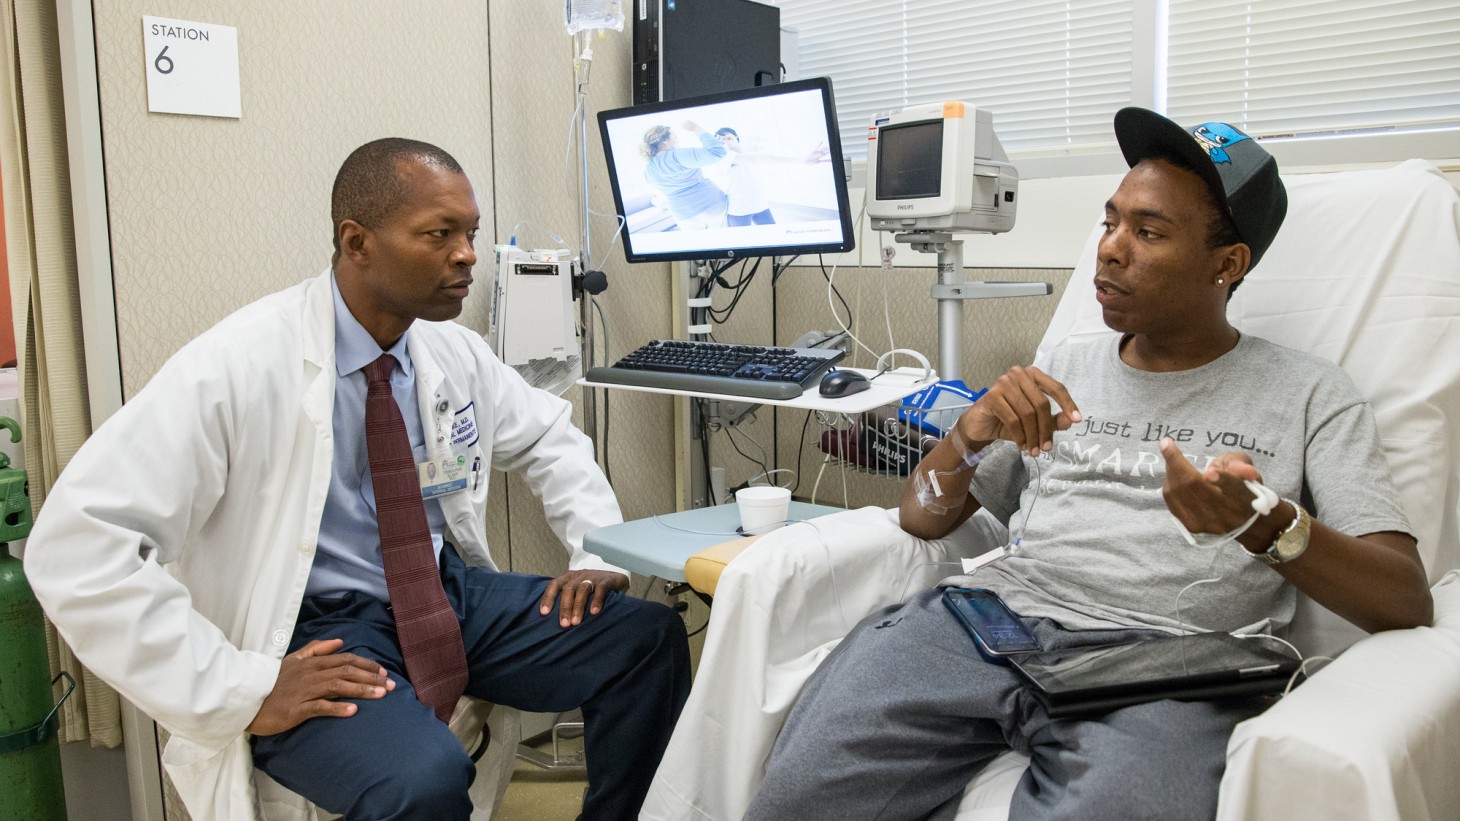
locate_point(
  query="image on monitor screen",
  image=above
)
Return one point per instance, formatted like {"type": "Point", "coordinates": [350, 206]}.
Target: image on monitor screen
{"type": "Point", "coordinates": [745, 173]}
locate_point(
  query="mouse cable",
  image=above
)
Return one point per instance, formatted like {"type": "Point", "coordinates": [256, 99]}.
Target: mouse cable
{"type": "Point", "coordinates": [757, 462]}
{"type": "Point", "coordinates": [800, 449]}
{"type": "Point", "coordinates": [832, 289]}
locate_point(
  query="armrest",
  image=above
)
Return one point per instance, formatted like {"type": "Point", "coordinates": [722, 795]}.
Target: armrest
{"type": "Point", "coordinates": [1374, 735]}
{"type": "Point", "coordinates": [702, 570]}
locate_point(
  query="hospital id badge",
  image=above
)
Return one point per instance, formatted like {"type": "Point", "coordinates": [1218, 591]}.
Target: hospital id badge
{"type": "Point", "coordinates": [444, 473]}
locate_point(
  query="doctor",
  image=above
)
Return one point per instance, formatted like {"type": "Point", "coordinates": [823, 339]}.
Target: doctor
{"type": "Point", "coordinates": [214, 550]}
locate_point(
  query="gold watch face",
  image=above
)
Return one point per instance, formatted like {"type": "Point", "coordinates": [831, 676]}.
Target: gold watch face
{"type": "Point", "coordinates": [1293, 541]}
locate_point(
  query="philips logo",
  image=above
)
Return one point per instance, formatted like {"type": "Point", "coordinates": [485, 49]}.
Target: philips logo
{"type": "Point", "coordinates": [896, 457]}
{"type": "Point", "coordinates": [907, 207]}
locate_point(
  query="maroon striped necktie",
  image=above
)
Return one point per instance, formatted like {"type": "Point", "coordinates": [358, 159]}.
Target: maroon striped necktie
{"type": "Point", "coordinates": [430, 636]}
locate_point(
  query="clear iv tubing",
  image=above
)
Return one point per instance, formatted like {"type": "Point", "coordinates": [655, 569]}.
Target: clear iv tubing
{"type": "Point", "coordinates": [1264, 500]}
{"type": "Point", "coordinates": [1261, 503]}
{"type": "Point", "coordinates": [1018, 539]}
{"type": "Point", "coordinates": [1009, 548]}
{"type": "Point", "coordinates": [1181, 622]}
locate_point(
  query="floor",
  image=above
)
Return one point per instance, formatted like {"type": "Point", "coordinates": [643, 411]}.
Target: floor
{"type": "Point", "coordinates": [536, 794]}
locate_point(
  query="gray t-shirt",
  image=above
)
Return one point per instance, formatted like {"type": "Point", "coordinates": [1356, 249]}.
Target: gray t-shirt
{"type": "Point", "coordinates": [1099, 548]}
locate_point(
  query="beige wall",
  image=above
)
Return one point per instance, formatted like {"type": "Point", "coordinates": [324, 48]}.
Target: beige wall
{"type": "Point", "coordinates": [209, 213]}
{"type": "Point", "coordinates": [533, 96]}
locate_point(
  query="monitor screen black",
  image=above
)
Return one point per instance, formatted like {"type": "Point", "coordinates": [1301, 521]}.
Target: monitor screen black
{"type": "Point", "coordinates": [910, 160]}
{"type": "Point", "coordinates": [756, 172]}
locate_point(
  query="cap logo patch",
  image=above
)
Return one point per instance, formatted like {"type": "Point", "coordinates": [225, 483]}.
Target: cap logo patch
{"type": "Point", "coordinates": [1215, 137]}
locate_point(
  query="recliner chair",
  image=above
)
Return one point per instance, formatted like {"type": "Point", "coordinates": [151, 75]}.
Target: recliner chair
{"type": "Point", "coordinates": [1365, 272]}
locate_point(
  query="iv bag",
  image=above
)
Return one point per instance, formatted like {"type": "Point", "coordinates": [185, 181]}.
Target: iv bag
{"type": "Point", "coordinates": [581, 15]}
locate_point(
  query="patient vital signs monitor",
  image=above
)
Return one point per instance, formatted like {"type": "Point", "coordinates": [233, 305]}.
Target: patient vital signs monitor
{"type": "Point", "coordinates": [939, 167]}
{"type": "Point", "coordinates": [933, 171]}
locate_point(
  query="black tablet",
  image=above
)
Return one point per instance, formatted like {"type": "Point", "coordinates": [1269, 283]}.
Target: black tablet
{"type": "Point", "coordinates": [1202, 666]}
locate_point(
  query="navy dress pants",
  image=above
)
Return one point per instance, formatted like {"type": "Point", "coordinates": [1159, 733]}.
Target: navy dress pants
{"type": "Point", "coordinates": [627, 668]}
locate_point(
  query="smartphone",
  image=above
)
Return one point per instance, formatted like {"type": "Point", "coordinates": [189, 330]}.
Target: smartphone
{"type": "Point", "coordinates": [995, 630]}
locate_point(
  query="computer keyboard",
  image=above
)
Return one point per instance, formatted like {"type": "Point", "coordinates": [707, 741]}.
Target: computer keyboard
{"type": "Point", "coordinates": [752, 371]}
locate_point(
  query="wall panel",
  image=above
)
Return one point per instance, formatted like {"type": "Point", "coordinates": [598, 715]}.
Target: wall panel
{"type": "Point", "coordinates": [208, 213]}
{"type": "Point", "coordinates": [538, 174]}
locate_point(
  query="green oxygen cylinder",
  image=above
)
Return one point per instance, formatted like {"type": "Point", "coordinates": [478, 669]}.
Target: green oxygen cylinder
{"type": "Point", "coordinates": [30, 755]}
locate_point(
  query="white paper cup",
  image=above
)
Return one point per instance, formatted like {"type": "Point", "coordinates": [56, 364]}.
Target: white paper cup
{"type": "Point", "coordinates": [762, 509]}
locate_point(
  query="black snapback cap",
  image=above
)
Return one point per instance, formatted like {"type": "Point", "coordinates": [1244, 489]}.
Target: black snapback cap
{"type": "Point", "coordinates": [1240, 173]}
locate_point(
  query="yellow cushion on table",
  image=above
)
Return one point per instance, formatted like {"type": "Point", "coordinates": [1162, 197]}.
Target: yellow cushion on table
{"type": "Point", "coordinates": [702, 570]}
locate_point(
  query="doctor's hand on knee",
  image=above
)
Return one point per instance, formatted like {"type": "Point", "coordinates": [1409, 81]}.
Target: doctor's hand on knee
{"type": "Point", "coordinates": [310, 679]}
{"type": "Point", "coordinates": [580, 590]}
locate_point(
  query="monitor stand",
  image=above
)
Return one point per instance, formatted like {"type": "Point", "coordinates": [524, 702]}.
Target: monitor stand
{"type": "Point", "coordinates": [951, 289]}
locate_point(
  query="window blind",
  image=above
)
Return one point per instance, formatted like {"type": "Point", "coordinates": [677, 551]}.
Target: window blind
{"type": "Point", "coordinates": [1051, 71]}
{"type": "Point", "coordinates": [1292, 67]}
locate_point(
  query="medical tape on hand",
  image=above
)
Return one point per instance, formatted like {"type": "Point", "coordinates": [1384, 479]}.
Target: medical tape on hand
{"type": "Point", "coordinates": [966, 453]}
{"type": "Point", "coordinates": [1264, 501]}
{"type": "Point", "coordinates": [927, 483]}
{"type": "Point", "coordinates": [928, 492]}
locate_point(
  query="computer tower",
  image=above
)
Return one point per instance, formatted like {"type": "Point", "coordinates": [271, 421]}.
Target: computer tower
{"type": "Point", "coordinates": [685, 48]}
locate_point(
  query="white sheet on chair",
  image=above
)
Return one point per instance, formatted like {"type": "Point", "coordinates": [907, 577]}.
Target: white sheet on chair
{"type": "Point", "coordinates": [1375, 737]}
{"type": "Point", "coordinates": [780, 608]}
{"type": "Point", "coordinates": [1357, 266]}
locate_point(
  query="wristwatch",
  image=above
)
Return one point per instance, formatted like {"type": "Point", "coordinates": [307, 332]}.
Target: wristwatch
{"type": "Point", "coordinates": [1290, 542]}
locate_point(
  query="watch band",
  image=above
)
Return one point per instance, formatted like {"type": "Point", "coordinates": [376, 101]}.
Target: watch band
{"type": "Point", "coordinates": [1290, 542]}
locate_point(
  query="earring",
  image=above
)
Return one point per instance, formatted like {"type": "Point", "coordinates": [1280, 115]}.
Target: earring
{"type": "Point", "coordinates": [1221, 281]}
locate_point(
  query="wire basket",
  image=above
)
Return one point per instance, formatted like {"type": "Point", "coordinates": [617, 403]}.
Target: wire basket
{"type": "Point", "coordinates": [889, 440]}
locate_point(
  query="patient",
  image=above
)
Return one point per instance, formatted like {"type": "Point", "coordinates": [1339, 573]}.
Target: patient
{"type": "Point", "coordinates": [1124, 444]}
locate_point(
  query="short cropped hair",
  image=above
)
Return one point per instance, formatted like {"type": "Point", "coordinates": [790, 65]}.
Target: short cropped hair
{"type": "Point", "coordinates": [369, 186]}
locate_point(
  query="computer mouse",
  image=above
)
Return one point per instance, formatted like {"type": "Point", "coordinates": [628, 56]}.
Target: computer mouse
{"type": "Point", "coordinates": [843, 383]}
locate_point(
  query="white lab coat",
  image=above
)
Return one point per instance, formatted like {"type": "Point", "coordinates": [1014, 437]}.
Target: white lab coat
{"type": "Point", "coordinates": [173, 552]}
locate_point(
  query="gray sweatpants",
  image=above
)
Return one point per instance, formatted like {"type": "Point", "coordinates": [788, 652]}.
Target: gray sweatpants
{"type": "Point", "coordinates": [905, 712]}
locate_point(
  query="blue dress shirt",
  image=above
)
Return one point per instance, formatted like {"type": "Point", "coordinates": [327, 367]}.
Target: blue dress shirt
{"type": "Point", "coordinates": [348, 554]}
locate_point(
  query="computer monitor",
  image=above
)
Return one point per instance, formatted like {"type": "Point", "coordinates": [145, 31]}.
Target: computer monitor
{"type": "Point", "coordinates": [939, 167]}
{"type": "Point", "coordinates": [756, 172]}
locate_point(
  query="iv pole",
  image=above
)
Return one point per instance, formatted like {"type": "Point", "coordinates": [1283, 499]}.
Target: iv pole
{"type": "Point", "coordinates": [582, 68]}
